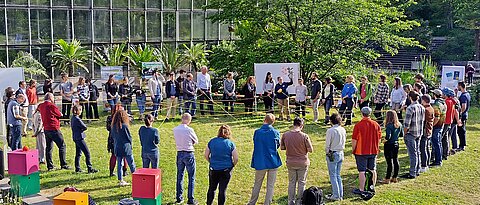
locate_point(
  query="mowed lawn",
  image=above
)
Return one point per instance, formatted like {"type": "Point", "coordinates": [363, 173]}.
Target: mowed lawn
{"type": "Point", "coordinates": [456, 182]}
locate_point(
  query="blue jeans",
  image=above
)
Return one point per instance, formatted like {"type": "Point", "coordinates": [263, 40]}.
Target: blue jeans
{"type": "Point", "coordinates": [413, 149]}
{"type": "Point", "coordinates": [180, 105]}
{"type": "Point", "coordinates": [112, 102]}
{"type": "Point", "coordinates": [453, 135]}
{"type": "Point", "coordinates": [437, 145]}
{"type": "Point", "coordinates": [191, 106]}
{"type": "Point", "coordinates": [16, 133]}
{"type": "Point", "coordinates": [127, 106]}
{"type": "Point", "coordinates": [150, 158]}
{"type": "Point", "coordinates": [141, 104]}
{"type": "Point", "coordinates": [334, 169]}
{"type": "Point", "coordinates": [185, 160]}
{"type": "Point", "coordinates": [156, 104]}
{"type": "Point", "coordinates": [130, 163]}
{"type": "Point", "coordinates": [425, 150]}
{"type": "Point", "coordinates": [328, 105]}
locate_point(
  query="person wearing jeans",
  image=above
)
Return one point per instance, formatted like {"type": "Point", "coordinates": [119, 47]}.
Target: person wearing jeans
{"type": "Point", "coordinates": [334, 146]}
{"type": "Point", "coordinates": [222, 156]}
{"type": "Point", "coordinates": [413, 127]}
{"type": "Point", "coordinates": [155, 86]}
{"type": "Point", "coordinates": [111, 88]}
{"type": "Point", "coordinates": [180, 79]}
{"type": "Point", "coordinates": [327, 98]}
{"type": "Point", "coordinates": [78, 135]}
{"type": "Point", "coordinates": [185, 139]}
{"type": "Point", "coordinates": [66, 91]}
{"type": "Point", "coordinates": [189, 95]}
{"type": "Point", "coordinates": [451, 114]}
{"type": "Point", "coordinates": [14, 120]}
{"type": "Point", "coordinates": [465, 100]}
{"type": "Point", "coordinates": [123, 143]}
{"type": "Point", "coordinates": [425, 153]}
{"type": "Point", "coordinates": [265, 159]}
{"type": "Point", "coordinates": [141, 99]}
{"type": "Point", "coordinates": [204, 85]}
{"type": "Point", "coordinates": [172, 91]}
{"type": "Point", "coordinates": [440, 110]}
{"type": "Point", "coordinates": [300, 98]}
{"type": "Point", "coordinates": [316, 87]}
{"type": "Point", "coordinates": [149, 138]}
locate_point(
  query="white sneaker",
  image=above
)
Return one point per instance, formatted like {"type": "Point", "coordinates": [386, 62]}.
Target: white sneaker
{"type": "Point", "coordinates": [123, 183]}
{"type": "Point", "coordinates": [423, 169]}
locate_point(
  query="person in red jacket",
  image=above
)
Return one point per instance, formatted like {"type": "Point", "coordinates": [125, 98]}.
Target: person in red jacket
{"type": "Point", "coordinates": [51, 123]}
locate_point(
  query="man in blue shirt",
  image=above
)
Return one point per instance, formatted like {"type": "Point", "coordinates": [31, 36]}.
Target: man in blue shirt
{"type": "Point", "coordinates": [281, 94]}
{"type": "Point", "coordinates": [465, 99]}
{"type": "Point", "coordinates": [14, 120]}
{"type": "Point", "coordinates": [172, 91]}
{"type": "Point", "coordinates": [265, 159]}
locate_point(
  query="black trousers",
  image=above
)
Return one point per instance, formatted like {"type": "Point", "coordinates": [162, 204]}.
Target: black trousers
{"type": "Point", "coordinates": [391, 157]}
{"type": "Point", "coordinates": [365, 103]}
{"type": "Point", "coordinates": [462, 131]}
{"type": "Point", "coordinates": [346, 110]}
{"type": "Point", "coordinates": [92, 112]}
{"type": "Point", "coordinates": [205, 96]}
{"type": "Point", "coordinates": [445, 141]}
{"type": "Point", "coordinates": [268, 101]}
{"type": "Point", "coordinates": [66, 107]}
{"type": "Point", "coordinates": [378, 112]}
{"type": "Point", "coordinates": [57, 137]}
{"type": "Point", "coordinates": [300, 108]}
{"type": "Point", "coordinates": [221, 179]}
{"type": "Point", "coordinates": [248, 105]}
{"type": "Point", "coordinates": [81, 146]}
{"type": "Point", "coordinates": [85, 109]}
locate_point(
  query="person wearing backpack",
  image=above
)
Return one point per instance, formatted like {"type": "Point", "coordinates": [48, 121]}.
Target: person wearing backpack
{"type": "Point", "coordinates": [334, 146]}
{"type": "Point", "coordinates": [364, 92]}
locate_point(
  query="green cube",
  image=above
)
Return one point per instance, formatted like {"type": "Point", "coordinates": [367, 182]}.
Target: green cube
{"type": "Point", "coordinates": [25, 185]}
{"type": "Point", "coordinates": [157, 201]}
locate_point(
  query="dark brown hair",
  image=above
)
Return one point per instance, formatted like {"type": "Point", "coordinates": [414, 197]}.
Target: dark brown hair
{"type": "Point", "coordinates": [76, 109]}
{"type": "Point", "coordinates": [119, 118]}
{"type": "Point", "coordinates": [148, 120]}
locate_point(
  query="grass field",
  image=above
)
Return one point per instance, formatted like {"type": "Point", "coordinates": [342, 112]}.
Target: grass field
{"type": "Point", "coordinates": [456, 182]}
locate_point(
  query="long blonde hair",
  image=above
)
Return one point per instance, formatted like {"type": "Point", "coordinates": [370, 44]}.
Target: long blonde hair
{"type": "Point", "coordinates": [392, 118]}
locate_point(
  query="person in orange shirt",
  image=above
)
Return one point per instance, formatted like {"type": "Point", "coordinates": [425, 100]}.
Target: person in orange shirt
{"type": "Point", "coordinates": [365, 142]}
{"type": "Point", "coordinates": [32, 101]}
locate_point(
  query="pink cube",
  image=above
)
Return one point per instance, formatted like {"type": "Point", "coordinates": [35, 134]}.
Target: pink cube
{"type": "Point", "coordinates": [22, 162]}
{"type": "Point", "coordinates": [146, 183]}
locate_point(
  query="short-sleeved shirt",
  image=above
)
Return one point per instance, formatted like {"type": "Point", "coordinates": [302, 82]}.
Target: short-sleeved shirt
{"type": "Point", "coordinates": [221, 153]}
{"type": "Point", "coordinates": [66, 87]}
{"type": "Point", "coordinates": [368, 134]}
{"type": "Point", "coordinates": [465, 99]}
{"type": "Point", "coordinates": [13, 110]}
{"type": "Point", "coordinates": [297, 145]}
{"type": "Point", "coordinates": [450, 102]}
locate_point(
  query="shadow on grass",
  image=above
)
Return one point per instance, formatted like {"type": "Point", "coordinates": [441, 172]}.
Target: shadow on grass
{"type": "Point", "coordinates": [111, 198]}
{"type": "Point", "coordinates": [70, 181]}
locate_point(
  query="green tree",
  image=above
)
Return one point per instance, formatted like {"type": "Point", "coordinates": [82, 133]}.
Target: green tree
{"type": "Point", "coordinates": [322, 35]}
{"type": "Point", "coordinates": [139, 54]}
{"type": "Point", "coordinates": [68, 57]}
{"type": "Point", "coordinates": [196, 55]}
{"type": "Point", "coordinates": [171, 58]}
{"type": "Point", "coordinates": [111, 55]}
{"type": "Point", "coordinates": [30, 65]}
{"type": "Point", "coordinates": [2, 65]}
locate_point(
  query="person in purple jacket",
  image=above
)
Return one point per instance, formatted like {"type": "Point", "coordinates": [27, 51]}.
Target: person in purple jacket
{"type": "Point", "coordinates": [78, 135]}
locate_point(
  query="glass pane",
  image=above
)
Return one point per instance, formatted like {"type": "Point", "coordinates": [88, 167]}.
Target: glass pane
{"type": "Point", "coordinates": [120, 3]}
{"type": "Point", "coordinates": [120, 26]}
{"type": "Point", "coordinates": [169, 26]}
{"type": "Point", "coordinates": [184, 26]}
{"type": "Point", "coordinates": [3, 55]}
{"type": "Point", "coordinates": [212, 28]}
{"type": "Point", "coordinates": [82, 3]}
{"type": "Point", "coordinates": [198, 4]}
{"type": "Point", "coordinates": [40, 53]}
{"type": "Point", "coordinates": [40, 2]}
{"type": "Point", "coordinates": [224, 34]}
{"type": "Point", "coordinates": [40, 22]}
{"type": "Point", "coordinates": [184, 4]}
{"type": "Point", "coordinates": [17, 26]}
{"type": "Point", "coordinates": [12, 52]}
{"type": "Point", "coordinates": [3, 32]}
{"type": "Point", "coordinates": [153, 26]}
{"type": "Point", "coordinates": [137, 26]}
{"type": "Point", "coordinates": [154, 4]}
{"type": "Point", "coordinates": [61, 3]}
{"type": "Point", "coordinates": [101, 3]}
{"type": "Point", "coordinates": [17, 2]}
{"type": "Point", "coordinates": [102, 26]}
{"type": "Point", "coordinates": [198, 26]}
{"type": "Point", "coordinates": [83, 25]}
{"type": "Point", "coordinates": [61, 25]}
{"type": "Point", "coordinates": [137, 4]}
{"type": "Point", "coordinates": [169, 4]}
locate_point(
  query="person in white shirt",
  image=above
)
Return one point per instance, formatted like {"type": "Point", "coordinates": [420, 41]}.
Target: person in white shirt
{"type": "Point", "coordinates": [155, 87]}
{"type": "Point", "coordinates": [204, 85]}
{"type": "Point", "coordinates": [185, 139]}
{"type": "Point", "coordinates": [300, 98]}
{"type": "Point", "coordinates": [334, 146]}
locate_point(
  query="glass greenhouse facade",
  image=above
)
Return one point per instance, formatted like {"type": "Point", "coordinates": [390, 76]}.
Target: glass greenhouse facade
{"type": "Point", "coordinates": [35, 25]}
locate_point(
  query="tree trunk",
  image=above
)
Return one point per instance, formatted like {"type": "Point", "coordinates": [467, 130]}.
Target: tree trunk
{"type": "Point", "coordinates": [70, 71]}
{"type": "Point", "coordinates": [477, 44]}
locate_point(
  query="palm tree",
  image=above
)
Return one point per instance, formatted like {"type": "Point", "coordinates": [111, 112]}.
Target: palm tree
{"type": "Point", "coordinates": [31, 66]}
{"type": "Point", "coordinates": [197, 55]}
{"type": "Point", "coordinates": [111, 55]}
{"type": "Point", "coordinates": [69, 56]}
{"type": "Point", "coordinates": [171, 58]}
{"type": "Point", "coordinates": [139, 54]}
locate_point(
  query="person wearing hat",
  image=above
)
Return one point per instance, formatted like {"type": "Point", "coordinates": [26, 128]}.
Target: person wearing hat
{"type": "Point", "coordinates": [440, 110]}
{"type": "Point", "coordinates": [451, 114]}
{"type": "Point", "coordinates": [365, 146]}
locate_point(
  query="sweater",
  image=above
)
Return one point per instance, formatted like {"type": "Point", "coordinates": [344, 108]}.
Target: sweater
{"type": "Point", "coordinates": [122, 141]}
{"type": "Point", "coordinates": [316, 89]}
{"type": "Point", "coordinates": [149, 138]}
{"type": "Point", "coordinates": [78, 128]}
{"type": "Point", "coordinates": [281, 91]}
{"type": "Point", "coordinates": [266, 142]}
{"type": "Point", "coordinates": [50, 116]}
{"type": "Point", "coordinates": [349, 90]}
{"type": "Point", "coordinates": [398, 96]}
{"type": "Point", "coordinates": [392, 133]}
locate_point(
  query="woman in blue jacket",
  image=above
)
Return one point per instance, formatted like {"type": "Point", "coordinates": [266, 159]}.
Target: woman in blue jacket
{"type": "Point", "coordinates": [122, 143]}
{"type": "Point", "coordinates": [348, 92]}
{"type": "Point", "coordinates": [78, 134]}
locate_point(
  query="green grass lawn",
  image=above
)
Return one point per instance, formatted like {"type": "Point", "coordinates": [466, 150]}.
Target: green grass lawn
{"type": "Point", "coordinates": [456, 182]}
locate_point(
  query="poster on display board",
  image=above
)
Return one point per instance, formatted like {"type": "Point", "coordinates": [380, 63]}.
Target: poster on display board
{"type": "Point", "coordinates": [285, 70]}
{"type": "Point", "coordinates": [116, 71]}
{"type": "Point", "coordinates": [149, 67]}
{"type": "Point", "coordinates": [451, 75]}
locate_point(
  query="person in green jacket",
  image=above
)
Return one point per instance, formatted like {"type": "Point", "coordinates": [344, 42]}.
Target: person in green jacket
{"type": "Point", "coordinates": [364, 92]}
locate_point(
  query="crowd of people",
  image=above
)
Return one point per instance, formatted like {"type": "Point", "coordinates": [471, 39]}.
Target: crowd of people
{"type": "Point", "coordinates": [429, 124]}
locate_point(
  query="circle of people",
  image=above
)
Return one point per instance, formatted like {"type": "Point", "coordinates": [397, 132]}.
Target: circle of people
{"type": "Point", "coordinates": [430, 122]}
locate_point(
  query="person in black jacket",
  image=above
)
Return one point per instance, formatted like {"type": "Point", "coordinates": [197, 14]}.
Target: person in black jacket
{"type": "Point", "coordinates": [281, 94]}
{"type": "Point", "coordinates": [189, 95]}
{"type": "Point", "coordinates": [47, 86]}
{"type": "Point", "coordinates": [78, 135]}
{"type": "Point", "coordinates": [92, 107]}
{"type": "Point", "coordinates": [111, 89]}
{"type": "Point", "coordinates": [327, 97]}
{"type": "Point", "coordinates": [125, 91]}
{"type": "Point", "coordinates": [249, 94]}
{"type": "Point", "coordinates": [316, 95]}
{"type": "Point", "coordinates": [172, 91]}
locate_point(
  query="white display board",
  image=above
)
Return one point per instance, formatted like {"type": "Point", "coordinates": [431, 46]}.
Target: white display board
{"type": "Point", "coordinates": [451, 75]}
{"type": "Point", "coordinates": [149, 67]}
{"type": "Point", "coordinates": [283, 70]}
{"type": "Point", "coordinates": [9, 77]}
{"type": "Point", "coordinates": [116, 71]}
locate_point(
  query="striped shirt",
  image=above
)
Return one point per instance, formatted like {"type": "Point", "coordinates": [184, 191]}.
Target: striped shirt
{"type": "Point", "coordinates": [414, 119]}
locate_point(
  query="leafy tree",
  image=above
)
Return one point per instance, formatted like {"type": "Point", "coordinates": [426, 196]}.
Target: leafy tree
{"type": "Point", "coordinates": [196, 55]}
{"type": "Point", "coordinates": [139, 54]}
{"type": "Point", "coordinates": [68, 57]}
{"type": "Point", "coordinates": [30, 65]}
{"type": "Point", "coordinates": [111, 55]}
{"type": "Point", "coordinates": [323, 35]}
{"type": "Point", "coordinates": [171, 58]}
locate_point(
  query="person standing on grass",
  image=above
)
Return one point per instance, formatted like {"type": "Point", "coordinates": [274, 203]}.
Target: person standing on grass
{"type": "Point", "coordinates": [172, 92]}
{"type": "Point", "coordinates": [111, 88]}
{"type": "Point", "coordinates": [297, 145]}
{"type": "Point", "coordinates": [92, 107]}
{"type": "Point", "coordinates": [123, 143]}
{"type": "Point", "coordinates": [300, 98]}
{"type": "Point", "coordinates": [78, 135]}
{"type": "Point", "coordinates": [229, 92]}
{"type": "Point", "coordinates": [32, 101]}
{"type": "Point", "coordinates": [425, 153]}
{"type": "Point", "coordinates": [394, 130]}
{"type": "Point", "coordinates": [24, 107]}
{"type": "Point", "coordinates": [156, 93]}
{"type": "Point", "coordinates": [281, 94]}
{"type": "Point", "coordinates": [179, 81]}
{"type": "Point", "coordinates": [66, 91]}
{"type": "Point", "coordinates": [381, 98]}
{"type": "Point", "coordinates": [316, 94]}
{"type": "Point", "coordinates": [413, 127]}
{"type": "Point", "coordinates": [51, 124]}
{"type": "Point", "coordinates": [14, 119]}
{"type": "Point", "coordinates": [222, 155]}
{"type": "Point", "coordinates": [465, 100]}
{"type": "Point", "coordinates": [249, 94]}
{"type": "Point", "coordinates": [111, 144]}
{"type": "Point", "coordinates": [39, 135]}
{"type": "Point", "coordinates": [185, 139]}
{"type": "Point", "coordinates": [204, 84]}
{"type": "Point", "coordinates": [348, 92]}
{"type": "Point", "coordinates": [440, 110]}
{"type": "Point", "coordinates": [83, 94]}
{"type": "Point", "coordinates": [398, 98]}
{"type": "Point", "coordinates": [334, 146]}
{"type": "Point", "coordinates": [265, 159]}
{"type": "Point", "coordinates": [141, 98]}
{"type": "Point", "coordinates": [327, 98]}
{"type": "Point", "coordinates": [125, 91]}
{"type": "Point", "coordinates": [268, 92]}
{"type": "Point", "coordinates": [9, 96]}
{"type": "Point", "coordinates": [149, 138]}
{"type": "Point", "coordinates": [448, 95]}
{"type": "Point", "coordinates": [364, 92]}
{"type": "Point", "coordinates": [470, 72]}
{"type": "Point", "coordinates": [365, 141]}
{"type": "Point", "coordinates": [189, 95]}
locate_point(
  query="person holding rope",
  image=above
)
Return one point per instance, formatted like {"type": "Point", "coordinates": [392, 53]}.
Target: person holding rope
{"type": "Point", "coordinates": [84, 95]}
{"type": "Point", "coordinates": [229, 92]}
{"type": "Point", "coordinates": [15, 121]}
{"type": "Point", "coordinates": [180, 79]}
{"type": "Point", "coordinates": [300, 98]}
{"type": "Point", "coordinates": [24, 107]}
{"type": "Point", "coordinates": [381, 98]}
{"type": "Point", "coordinates": [155, 87]}
{"type": "Point", "coordinates": [204, 84]}
{"type": "Point", "coordinates": [348, 92]}
{"type": "Point", "coordinates": [365, 92]}
{"type": "Point", "coordinates": [92, 108]}
{"type": "Point", "coordinates": [111, 89]}
{"type": "Point", "coordinates": [172, 91]}
{"type": "Point", "coordinates": [398, 98]}
{"type": "Point", "coordinates": [66, 91]}
{"type": "Point", "coordinates": [125, 91]}
{"type": "Point", "coordinates": [32, 101]}
{"type": "Point", "coordinates": [327, 98]}
{"type": "Point", "coordinates": [189, 95]}
{"type": "Point", "coordinates": [316, 94]}
{"type": "Point", "coordinates": [440, 110]}
{"type": "Point", "coordinates": [249, 94]}
{"type": "Point", "coordinates": [281, 94]}
{"type": "Point", "coordinates": [268, 92]}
